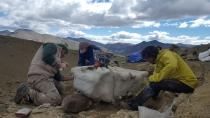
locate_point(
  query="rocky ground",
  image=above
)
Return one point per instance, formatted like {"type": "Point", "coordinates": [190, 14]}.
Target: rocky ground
{"type": "Point", "coordinates": [15, 58]}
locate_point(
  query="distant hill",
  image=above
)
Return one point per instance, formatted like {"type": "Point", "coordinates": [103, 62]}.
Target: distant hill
{"type": "Point", "coordinates": [34, 36]}
{"type": "Point", "coordinates": [5, 33]}
{"type": "Point", "coordinates": [139, 47]}
{"type": "Point", "coordinates": [126, 48]}
{"type": "Point", "coordinates": [185, 45]}
{"type": "Point", "coordinates": [119, 48]}
{"type": "Point", "coordinates": [199, 48]}
{"type": "Point", "coordinates": [86, 40]}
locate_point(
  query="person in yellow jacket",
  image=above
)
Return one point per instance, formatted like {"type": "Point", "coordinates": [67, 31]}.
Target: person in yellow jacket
{"type": "Point", "coordinates": [171, 74]}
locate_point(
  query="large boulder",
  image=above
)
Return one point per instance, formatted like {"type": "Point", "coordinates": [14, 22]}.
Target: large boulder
{"type": "Point", "coordinates": [76, 103]}
{"type": "Point", "coordinates": [108, 84]}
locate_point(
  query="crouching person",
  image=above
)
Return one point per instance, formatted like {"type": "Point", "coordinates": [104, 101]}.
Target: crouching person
{"type": "Point", "coordinates": [171, 74]}
{"type": "Point", "coordinates": [43, 84]}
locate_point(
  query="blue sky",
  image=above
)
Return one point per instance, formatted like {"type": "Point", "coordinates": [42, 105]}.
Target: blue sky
{"type": "Point", "coordinates": [112, 21]}
{"type": "Point", "coordinates": [174, 31]}
{"type": "Point", "coordinates": [2, 14]}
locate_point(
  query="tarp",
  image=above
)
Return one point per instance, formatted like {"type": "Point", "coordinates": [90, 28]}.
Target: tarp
{"type": "Point", "coordinates": [108, 84]}
{"type": "Point", "coordinates": [134, 58]}
{"type": "Point", "coordinates": [204, 56]}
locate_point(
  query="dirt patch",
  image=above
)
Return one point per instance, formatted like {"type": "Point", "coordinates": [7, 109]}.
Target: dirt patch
{"type": "Point", "coordinates": [198, 104]}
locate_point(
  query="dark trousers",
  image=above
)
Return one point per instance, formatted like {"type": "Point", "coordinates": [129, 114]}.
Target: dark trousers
{"type": "Point", "coordinates": [154, 88]}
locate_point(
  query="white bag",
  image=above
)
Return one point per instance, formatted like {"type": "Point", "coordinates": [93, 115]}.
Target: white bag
{"type": "Point", "coordinates": [108, 84]}
{"type": "Point", "coordinates": [204, 56]}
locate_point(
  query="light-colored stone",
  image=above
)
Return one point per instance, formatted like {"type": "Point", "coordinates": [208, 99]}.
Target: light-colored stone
{"type": "Point", "coordinates": [108, 84]}
{"type": "Point", "coordinates": [125, 114]}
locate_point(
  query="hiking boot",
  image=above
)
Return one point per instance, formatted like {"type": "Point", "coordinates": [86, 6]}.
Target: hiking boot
{"type": "Point", "coordinates": [21, 93]}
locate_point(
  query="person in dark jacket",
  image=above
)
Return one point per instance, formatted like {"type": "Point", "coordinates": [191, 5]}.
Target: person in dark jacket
{"type": "Point", "coordinates": [86, 54]}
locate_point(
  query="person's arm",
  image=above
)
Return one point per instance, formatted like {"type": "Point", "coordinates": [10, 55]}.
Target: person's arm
{"type": "Point", "coordinates": [170, 66]}
{"type": "Point", "coordinates": [59, 77]}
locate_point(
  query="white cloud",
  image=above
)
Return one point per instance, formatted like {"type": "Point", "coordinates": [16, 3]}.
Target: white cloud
{"type": "Point", "coordinates": [157, 35]}
{"type": "Point", "coordinates": [170, 24]}
{"type": "Point", "coordinates": [68, 17]}
{"type": "Point", "coordinates": [135, 38]}
{"type": "Point", "coordinates": [69, 32]}
{"type": "Point", "coordinates": [118, 37]}
{"type": "Point", "coordinates": [141, 24]}
{"type": "Point", "coordinates": [200, 22]}
{"type": "Point", "coordinates": [125, 35]}
{"type": "Point", "coordinates": [183, 25]}
{"type": "Point", "coordinates": [111, 13]}
{"type": "Point", "coordinates": [168, 38]}
{"type": "Point", "coordinates": [42, 15]}
{"type": "Point", "coordinates": [171, 9]}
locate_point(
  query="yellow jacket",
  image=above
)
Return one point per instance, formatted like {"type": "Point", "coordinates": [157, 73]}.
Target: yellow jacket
{"type": "Point", "coordinates": [170, 65]}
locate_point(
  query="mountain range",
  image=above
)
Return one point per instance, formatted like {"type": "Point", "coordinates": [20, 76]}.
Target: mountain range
{"type": "Point", "coordinates": [73, 43]}
{"type": "Point", "coordinates": [126, 48]}
{"type": "Point", "coordinates": [34, 36]}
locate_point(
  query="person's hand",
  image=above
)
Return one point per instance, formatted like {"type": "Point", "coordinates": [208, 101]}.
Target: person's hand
{"type": "Point", "coordinates": [64, 65]}
{"type": "Point", "coordinates": [150, 71]}
{"type": "Point", "coordinates": [104, 51]}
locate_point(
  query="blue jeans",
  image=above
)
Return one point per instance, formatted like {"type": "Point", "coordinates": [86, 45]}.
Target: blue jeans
{"type": "Point", "coordinates": [154, 88]}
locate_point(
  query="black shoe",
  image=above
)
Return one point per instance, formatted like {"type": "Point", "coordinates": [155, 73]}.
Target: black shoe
{"type": "Point", "coordinates": [21, 93]}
